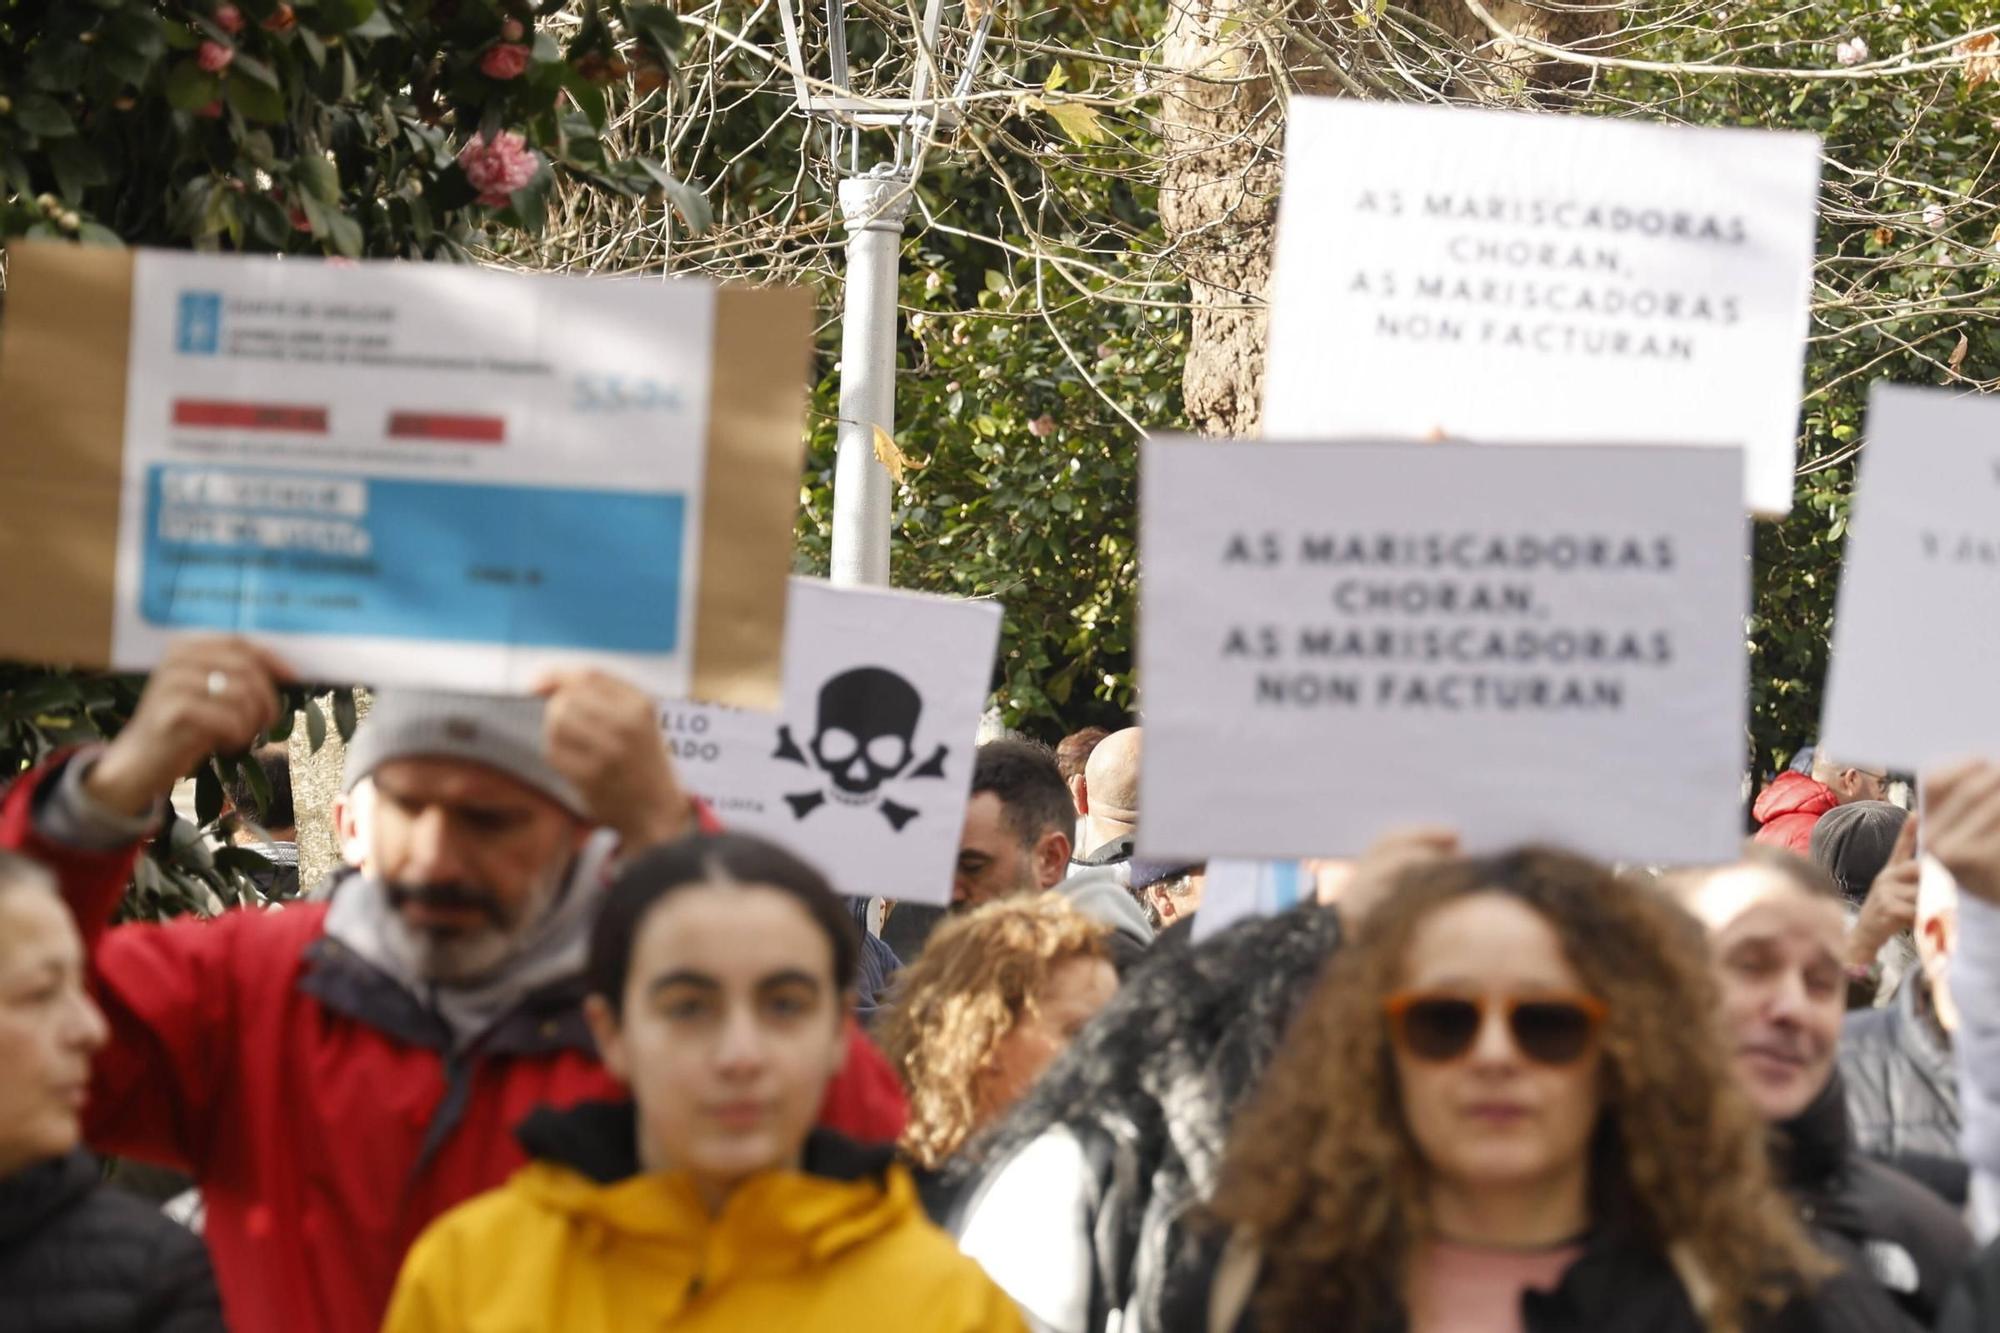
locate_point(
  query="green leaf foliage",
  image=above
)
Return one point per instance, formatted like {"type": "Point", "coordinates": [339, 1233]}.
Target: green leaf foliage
{"type": "Point", "coordinates": [332, 128]}
{"type": "Point", "coordinates": [1909, 256]}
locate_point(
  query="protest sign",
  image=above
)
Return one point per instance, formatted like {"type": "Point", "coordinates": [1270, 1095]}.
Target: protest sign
{"type": "Point", "coordinates": [1915, 634]}
{"type": "Point", "coordinates": [866, 768]}
{"type": "Point", "coordinates": [1234, 891]}
{"type": "Point", "coordinates": [399, 473]}
{"type": "Point", "coordinates": [1502, 277]}
{"type": "Point", "coordinates": [1533, 643]}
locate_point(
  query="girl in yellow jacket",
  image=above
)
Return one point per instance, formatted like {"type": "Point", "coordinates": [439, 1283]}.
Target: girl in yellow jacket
{"type": "Point", "coordinates": [720, 969]}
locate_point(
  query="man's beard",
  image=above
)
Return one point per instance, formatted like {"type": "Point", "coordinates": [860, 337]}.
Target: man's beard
{"type": "Point", "coordinates": [452, 957]}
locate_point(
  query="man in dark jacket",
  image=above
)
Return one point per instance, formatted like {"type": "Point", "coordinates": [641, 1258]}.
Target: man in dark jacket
{"type": "Point", "coordinates": [1777, 929]}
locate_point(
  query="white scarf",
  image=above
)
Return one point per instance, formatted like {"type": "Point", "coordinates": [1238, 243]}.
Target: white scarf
{"type": "Point", "coordinates": [554, 948]}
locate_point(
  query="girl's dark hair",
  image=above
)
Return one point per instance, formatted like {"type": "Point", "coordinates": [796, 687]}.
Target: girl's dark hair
{"type": "Point", "coordinates": [705, 859]}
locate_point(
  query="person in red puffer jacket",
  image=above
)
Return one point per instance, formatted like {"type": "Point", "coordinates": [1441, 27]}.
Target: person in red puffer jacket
{"type": "Point", "coordinates": [1787, 809]}
{"type": "Point", "coordinates": [336, 1075]}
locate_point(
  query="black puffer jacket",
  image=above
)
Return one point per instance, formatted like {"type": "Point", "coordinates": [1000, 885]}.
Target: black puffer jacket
{"type": "Point", "coordinates": [1974, 1305]}
{"type": "Point", "coordinates": [1617, 1286]}
{"type": "Point", "coordinates": [1902, 1234]}
{"type": "Point", "coordinates": [1902, 1089]}
{"type": "Point", "coordinates": [79, 1257]}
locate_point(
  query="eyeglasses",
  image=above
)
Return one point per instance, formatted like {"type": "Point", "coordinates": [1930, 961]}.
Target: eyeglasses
{"type": "Point", "coordinates": [1548, 1029]}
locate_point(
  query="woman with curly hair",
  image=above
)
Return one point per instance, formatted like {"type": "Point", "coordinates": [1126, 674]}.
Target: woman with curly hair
{"type": "Point", "coordinates": [996, 995]}
{"type": "Point", "coordinates": [1507, 1106]}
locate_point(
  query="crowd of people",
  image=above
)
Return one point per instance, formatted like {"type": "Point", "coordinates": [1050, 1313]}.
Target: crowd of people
{"type": "Point", "coordinates": [553, 1049]}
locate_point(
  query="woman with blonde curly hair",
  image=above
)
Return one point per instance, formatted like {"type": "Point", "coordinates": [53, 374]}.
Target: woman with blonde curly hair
{"type": "Point", "coordinates": [1507, 1106]}
{"type": "Point", "coordinates": [995, 997]}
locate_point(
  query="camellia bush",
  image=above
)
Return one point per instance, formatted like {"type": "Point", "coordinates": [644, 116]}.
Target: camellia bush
{"type": "Point", "coordinates": [344, 127]}
{"type": "Point", "coordinates": [415, 129]}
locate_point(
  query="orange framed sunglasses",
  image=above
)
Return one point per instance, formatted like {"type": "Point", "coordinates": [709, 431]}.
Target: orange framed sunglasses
{"type": "Point", "coordinates": [1442, 1026]}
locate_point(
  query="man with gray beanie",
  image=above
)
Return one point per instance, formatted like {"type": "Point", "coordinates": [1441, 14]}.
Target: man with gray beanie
{"type": "Point", "coordinates": [337, 1074]}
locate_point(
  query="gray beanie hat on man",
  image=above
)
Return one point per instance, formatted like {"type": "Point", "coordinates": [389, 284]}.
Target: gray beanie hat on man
{"type": "Point", "coordinates": [503, 732]}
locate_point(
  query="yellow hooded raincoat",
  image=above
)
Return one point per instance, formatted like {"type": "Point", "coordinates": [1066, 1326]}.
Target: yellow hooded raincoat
{"type": "Point", "coordinates": [574, 1247]}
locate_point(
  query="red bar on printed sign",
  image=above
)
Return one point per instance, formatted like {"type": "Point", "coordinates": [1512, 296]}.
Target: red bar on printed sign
{"type": "Point", "coordinates": [250, 416]}
{"type": "Point", "coordinates": [446, 426]}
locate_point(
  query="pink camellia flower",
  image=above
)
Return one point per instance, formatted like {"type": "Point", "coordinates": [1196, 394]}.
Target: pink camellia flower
{"type": "Point", "coordinates": [512, 31]}
{"type": "Point", "coordinates": [498, 168]}
{"type": "Point", "coordinates": [228, 18]}
{"type": "Point", "coordinates": [1851, 53]}
{"type": "Point", "coordinates": [283, 19]}
{"type": "Point", "coordinates": [504, 62]}
{"type": "Point", "coordinates": [1934, 216]}
{"type": "Point", "coordinates": [1042, 426]}
{"type": "Point", "coordinates": [214, 56]}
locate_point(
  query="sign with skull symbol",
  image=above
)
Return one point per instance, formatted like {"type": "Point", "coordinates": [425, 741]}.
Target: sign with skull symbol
{"type": "Point", "coordinates": [866, 769]}
{"type": "Point", "coordinates": [863, 737]}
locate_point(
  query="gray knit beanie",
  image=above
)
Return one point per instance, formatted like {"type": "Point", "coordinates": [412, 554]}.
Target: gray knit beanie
{"type": "Point", "coordinates": [1854, 841]}
{"type": "Point", "coordinates": [503, 732]}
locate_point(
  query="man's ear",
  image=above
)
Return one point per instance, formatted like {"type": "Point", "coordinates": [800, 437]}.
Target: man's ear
{"type": "Point", "coordinates": [1051, 859]}
{"type": "Point", "coordinates": [1079, 794]}
{"type": "Point", "coordinates": [347, 807]}
{"type": "Point", "coordinates": [609, 1036]}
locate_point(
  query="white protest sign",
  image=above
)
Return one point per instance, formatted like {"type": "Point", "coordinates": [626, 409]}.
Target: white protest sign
{"type": "Point", "coordinates": [866, 770]}
{"type": "Point", "coordinates": [1534, 643]}
{"type": "Point", "coordinates": [1917, 630]}
{"type": "Point", "coordinates": [407, 473]}
{"type": "Point", "coordinates": [1506, 278]}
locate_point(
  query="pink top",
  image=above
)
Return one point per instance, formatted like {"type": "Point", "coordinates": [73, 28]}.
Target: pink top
{"type": "Point", "coordinates": [1469, 1289]}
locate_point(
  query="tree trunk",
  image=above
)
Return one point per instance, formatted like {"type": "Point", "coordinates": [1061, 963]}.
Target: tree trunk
{"type": "Point", "coordinates": [315, 782]}
{"type": "Point", "coordinates": [1222, 121]}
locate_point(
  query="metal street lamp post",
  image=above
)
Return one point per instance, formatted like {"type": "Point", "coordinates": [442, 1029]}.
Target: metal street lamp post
{"type": "Point", "coordinates": [874, 204]}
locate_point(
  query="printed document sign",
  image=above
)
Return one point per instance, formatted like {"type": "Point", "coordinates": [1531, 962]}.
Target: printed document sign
{"type": "Point", "coordinates": [1917, 629]}
{"type": "Point", "coordinates": [866, 768]}
{"type": "Point", "coordinates": [1540, 643]}
{"type": "Point", "coordinates": [395, 472]}
{"type": "Point", "coordinates": [1512, 278]}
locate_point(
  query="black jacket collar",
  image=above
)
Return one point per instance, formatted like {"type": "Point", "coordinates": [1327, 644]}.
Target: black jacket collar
{"type": "Point", "coordinates": [32, 1195]}
{"type": "Point", "coordinates": [1812, 1148]}
{"type": "Point", "coordinates": [600, 1140]}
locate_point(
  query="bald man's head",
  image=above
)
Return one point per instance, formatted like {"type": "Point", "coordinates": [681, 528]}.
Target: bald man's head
{"type": "Point", "coordinates": [1849, 782]}
{"type": "Point", "coordinates": [1111, 787]}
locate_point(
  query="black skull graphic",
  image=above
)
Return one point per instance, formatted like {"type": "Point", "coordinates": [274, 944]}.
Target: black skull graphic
{"type": "Point", "coordinates": [863, 736]}
{"type": "Point", "coordinates": [867, 725]}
